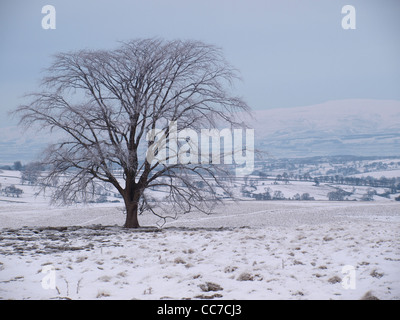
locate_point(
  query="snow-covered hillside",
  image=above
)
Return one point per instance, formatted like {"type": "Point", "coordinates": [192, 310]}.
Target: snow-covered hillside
{"type": "Point", "coordinates": [353, 127]}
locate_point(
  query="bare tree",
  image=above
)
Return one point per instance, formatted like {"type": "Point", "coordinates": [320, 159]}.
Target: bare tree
{"type": "Point", "coordinates": [107, 103]}
{"type": "Point", "coordinates": [31, 173]}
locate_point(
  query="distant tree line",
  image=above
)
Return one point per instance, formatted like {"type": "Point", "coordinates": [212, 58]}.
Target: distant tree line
{"type": "Point", "coordinates": [31, 173]}
{"type": "Point", "coordinates": [390, 183]}
{"type": "Point", "coordinates": [17, 166]}
{"type": "Point", "coordinates": [268, 194]}
{"type": "Point", "coordinates": [11, 191]}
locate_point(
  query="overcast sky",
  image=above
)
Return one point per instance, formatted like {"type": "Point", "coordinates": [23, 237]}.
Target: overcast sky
{"type": "Point", "coordinates": [290, 52]}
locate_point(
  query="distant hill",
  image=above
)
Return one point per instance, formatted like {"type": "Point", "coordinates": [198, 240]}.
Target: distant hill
{"type": "Point", "coordinates": [353, 127]}
{"type": "Point", "coordinates": [342, 127]}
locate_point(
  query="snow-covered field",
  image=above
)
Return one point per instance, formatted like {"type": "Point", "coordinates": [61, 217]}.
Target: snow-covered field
{"type": "Point", "coordinates": [378, 174]}
{"type": "Point", "coordinates": [248, 250]}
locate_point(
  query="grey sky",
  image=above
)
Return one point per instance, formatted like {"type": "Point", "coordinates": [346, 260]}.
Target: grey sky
{"type": "Point", "coordinates": [290, 52]}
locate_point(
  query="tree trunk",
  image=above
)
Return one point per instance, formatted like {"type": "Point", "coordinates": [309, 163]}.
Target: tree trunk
{"type": "Point", "coordinates": [131, 215]}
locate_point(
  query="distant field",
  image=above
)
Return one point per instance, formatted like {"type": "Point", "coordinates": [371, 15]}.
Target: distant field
{"type": "Point", "coordinates": [379, 174]}
{"type": "Point", "coordinates": [255, 185]}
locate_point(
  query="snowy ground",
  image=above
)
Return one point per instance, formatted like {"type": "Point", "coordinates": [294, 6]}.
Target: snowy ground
{"type": "Point", "coordinates": [378, 174]}
{"type": "Point", "coordinates": [249, 250]}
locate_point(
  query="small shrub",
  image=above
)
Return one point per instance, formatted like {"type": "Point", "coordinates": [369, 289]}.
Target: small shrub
{"type": "Point", "coordinates": [374, 273]}
{"type": "Point", "coordinates": [230, 269]}
{"type": "Point", "coordinates": [215, 295]}
{"type": "Point", "coordinates": [80, 259]}
{"type": "Point", "coordinates": [179, 260]}
{"type": "Point", "coordinates": [210, 286]}
{"type": "Point", "coordinates": [245, 277]}
{"type": "Point", "coordinates": [334, 280]}
{"type": "Point", "coordinates": [369, 296]}
{"type": "Point", "coordinates": [104, 279]}
{"type": "Point", "coordinates": [148, 291]}
{"type": "Point", "coordinates": [102, 294]}
{"type": "Point", "coordinates": [122, 274]}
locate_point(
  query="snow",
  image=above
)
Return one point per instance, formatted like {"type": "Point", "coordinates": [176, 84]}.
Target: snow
{"type": "Point", "coordinates": [379, 174]}
{"type": "Point", "coordinates": [251, 249]}
{"type": "Point", "coordinates": [344, 116]}
{"type": "Point", "coordinates": [352, 126]}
